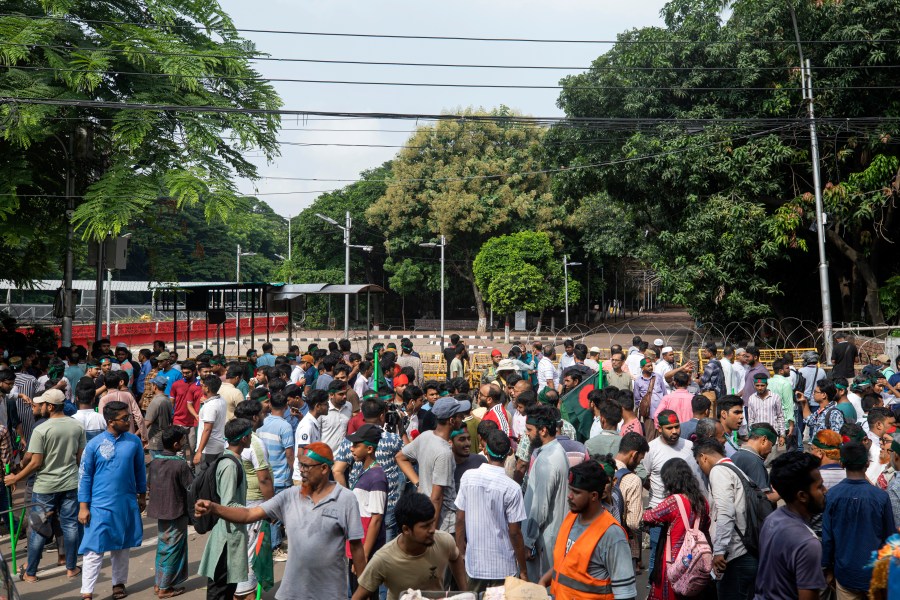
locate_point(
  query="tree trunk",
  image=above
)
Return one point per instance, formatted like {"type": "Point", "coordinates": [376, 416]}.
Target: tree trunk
{"type": "Point", "coordinates": [403, 310]}
{"type": "Point", "coordinates": [467, 274]}
{"type": "Point", "coordinates": [866, 272]}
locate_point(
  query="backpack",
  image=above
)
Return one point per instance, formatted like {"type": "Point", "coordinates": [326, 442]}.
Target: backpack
{"type": "Point", "coordinates": [619, 499]}
{"type": "Point", "coordinates": [800, 386]}
{"type": "Point", "coordinates": [689, 573]}
{"type": "Point", "coordinates": [757, 509]}
{"type": "Point", "coordinates": [204, 488]}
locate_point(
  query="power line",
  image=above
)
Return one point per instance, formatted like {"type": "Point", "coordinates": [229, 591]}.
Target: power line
{"type": "Point", "coordinates": [674, 88]}
{"type": "Point", "coordinates": [617, 68]}
{"type": "Point", "coordinates": [197, 28]}
{"type": "Point", "coordinates": [396, 183]}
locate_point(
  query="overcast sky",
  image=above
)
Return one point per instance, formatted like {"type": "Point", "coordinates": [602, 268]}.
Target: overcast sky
{"type": "Point", "coordinates": [563, 19]}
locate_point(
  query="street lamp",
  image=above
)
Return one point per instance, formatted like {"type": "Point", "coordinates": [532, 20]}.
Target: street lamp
{"type": "Point", "coordinates": [566, 265]}
{"type": "Point", "coordinates": [237, 328]}
{"type": "Point", "coordinates": [109, 290]}
{"type": "Point", "coordinates": [442, 244]}
{"type": "Point", "coordinates": [346, 229]}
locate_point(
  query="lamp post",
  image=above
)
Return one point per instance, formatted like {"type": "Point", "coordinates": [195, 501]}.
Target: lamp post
{"type": "Point", "coordinates": [109, 291]}
{"type": "Point", "coordinates": [566, 265]}
{"type": "Point", "coordinates": [347, 245]}
{"type": "Point", "coordinates": [237, 275]}
{"type": "Point", "coordinates": [442, 244]}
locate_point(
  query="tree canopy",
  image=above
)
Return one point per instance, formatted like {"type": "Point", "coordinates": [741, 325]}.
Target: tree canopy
{"type": "Point", "coordinates": [70, 67]}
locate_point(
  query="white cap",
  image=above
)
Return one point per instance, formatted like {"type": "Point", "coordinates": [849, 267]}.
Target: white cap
{"type": "Point", "coordinates": [122, 345]}
{"type": "Point", "coordinates": [658, 342]}
{"type": "Point", "coordinates": [594, 350]}
{"type": "Point", "coordinates": [667, 349]}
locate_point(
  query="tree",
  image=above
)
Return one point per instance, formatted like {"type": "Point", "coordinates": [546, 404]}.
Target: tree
{"type": "Point", "coordinates": [469, 181]}
{"type": "Point", "coordinates": [707, 189]}
{"type": "Point", "coordinates": [406, 278]}
{"type": "Point", "coordinates": [505, 268]}
{"type": "Point", "coordinates": [71, 69]}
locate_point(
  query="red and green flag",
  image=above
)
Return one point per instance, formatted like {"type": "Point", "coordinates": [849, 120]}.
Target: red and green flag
{"type": "Point", "coordinates": [576, 408]}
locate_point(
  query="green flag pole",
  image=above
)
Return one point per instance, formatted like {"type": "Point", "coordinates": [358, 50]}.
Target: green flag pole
{"type": "Point", "coordinates": [12, 526]}
{"type": "Point", "coordinates": [377, 371]}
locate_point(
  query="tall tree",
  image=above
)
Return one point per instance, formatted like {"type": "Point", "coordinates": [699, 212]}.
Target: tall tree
{"type": "Point", "coordinates": [469, 181]}
{"type": "Point", "coordinates": [708, 169]}
{"type": "Point", "coordinates": [70, 71]}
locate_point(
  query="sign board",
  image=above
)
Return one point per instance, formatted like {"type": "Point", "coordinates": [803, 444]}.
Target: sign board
{"type": "Point", "coordinates": [521, 317]}
{"type": "Point", "coordinates": [115, 253]}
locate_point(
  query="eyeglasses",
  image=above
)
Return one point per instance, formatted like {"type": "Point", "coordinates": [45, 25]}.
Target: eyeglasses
{"type": "Point", "coordinates": [307, 467]}
{"type": "Point", "coordinates": [125, 418]}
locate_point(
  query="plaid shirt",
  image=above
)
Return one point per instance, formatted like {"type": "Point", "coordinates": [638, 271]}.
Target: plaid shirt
{"type": "Point", "coordinates": [713, 378]}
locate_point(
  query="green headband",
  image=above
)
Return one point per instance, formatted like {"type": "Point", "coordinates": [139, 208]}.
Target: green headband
{"type": "Point", "coordinates": [840, 386]}
{"type": "Point", "coordinates": [370, 395]}
{"type": "Point", "coordinates": [444, 393]}
{"type": "Point", "coordinates": [608, 469]}
{"type": "Point", "coordinates": [453, 434]}
{"type": "Point", "coordinates": [643, 362]}
{"type": "Point", "coordinates": [665, 420]}
{"type": "Point", "coordinates": [241, 436]}
{"type": "Point", "coordinates": [491, 454]}
{"type": "Point", "coordinates": [386, 397]}
{"type": "Point", "coordinates": [824, 446]}
{"type": "Point", "coordinates": [588, 484]}
{"type": "Point", "coordinates": [319, 458]}
{"type": "Point", "coordinates": [769, 435]}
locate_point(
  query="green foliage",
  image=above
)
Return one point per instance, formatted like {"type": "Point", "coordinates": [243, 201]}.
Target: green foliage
{"type": "Point", "coordinates": [889, 294]}
{"type": "Point", "coordinates": [127, 164]}
{"type": "Point", "coordinates": [522, 289]}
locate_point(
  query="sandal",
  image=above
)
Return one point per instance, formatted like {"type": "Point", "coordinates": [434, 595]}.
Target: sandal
{"type": "Point", "coordinates": [119, 592]}
{"type": "Point", "coordinates": [75, 573]}
{"type": "Point", "coordinates": [170, 593]}
{"type": "Point", "coordinates": [87, 597]}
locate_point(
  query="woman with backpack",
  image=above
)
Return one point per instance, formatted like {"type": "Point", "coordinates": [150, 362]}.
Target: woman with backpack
{"type": "Point", "coordinates": [683, 509]}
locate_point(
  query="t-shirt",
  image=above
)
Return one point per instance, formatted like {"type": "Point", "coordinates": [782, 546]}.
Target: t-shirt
{"type": "Point", "coordinates": [456, 366]}
{"type": "Point", "coordinates": [184, 392]}
{"type": "Point", "coordinates": [322, 381]}
{"type": "Point", "coordinates": [317, 534]}
{"type": "Point", "coordinates": [159, 415]}
{"type": "Point", "coordinates": [92, 421]}
{"type": "Point", "coordinates": [688, 428]}
{"type": "Point", "coordinates": [611, 559]}
{"type": "Point", "coordinates": [753, 466]}
{"type": "Point", "coordinates": [844, 356]}
{"type": "Point", "coordinates": [255, 458]}
{"type": "Point", "coordinates": [659, 454]}
{"type": "Point", "coordinates": [213, 411]}
{"type": "Point", "coordinates": [278, 436]}
{"type": "Point", "coordinates": [473, 461]}
{"type": "Point", "coordinates": [371, 493]}
{"type": "Point", "coordinates": [399, 571]}
{"type": "Point", "coordinates": [58, 440]}
{"type": "Point", "coordinates": [435, 466]}
{"type": "Point", "coordinates": [848, 411]}
{"type": "Point", "coordinates": [790, 557]}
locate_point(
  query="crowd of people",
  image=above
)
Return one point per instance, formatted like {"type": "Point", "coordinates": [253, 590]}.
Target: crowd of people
{"type": "Point", "coordinates": [367, 480]}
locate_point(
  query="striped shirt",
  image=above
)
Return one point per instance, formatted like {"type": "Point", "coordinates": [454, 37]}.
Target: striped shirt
{"type": "Point", "coordinates": [491, 501]}
{"type": "Point", "coordinates": [766, 410]}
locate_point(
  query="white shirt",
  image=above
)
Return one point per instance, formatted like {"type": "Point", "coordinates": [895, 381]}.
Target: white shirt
{"type": "Point", "coordinates": [634, 363]}
{"type": "Point", "coordinates": [662, 367]}
{"type": "Point", "coordinates": [333, 425]}
{"type": "Point", "coordinates": [592, 364]}
{"type": "Point", "coordinates": [728, 373]}
{"type": "Point", "coordinates": [875, 467]}
{"type": "Point", "coordinates": [546, 372]}
{"type": "Point", "coordinates": [308, 431]}
{"type": "Point", "coordinates": [361, 385]}
{"type": "Point", "coordinates": [297, 374]}
{"type": "Point", "coordinates": [214, 411]}
{"type": "Point", "coordinates": [565, 361]}
{"type": "Point", "coordinates": [739, 374]}
{"type": "Point", "coordinates": [856, 401]}
{"type": "Point", "coordinates": [90, 419]}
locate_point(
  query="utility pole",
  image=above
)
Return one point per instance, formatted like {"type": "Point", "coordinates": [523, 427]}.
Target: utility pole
{"type": "Point", "coordinates": [443, 245]}
{"type": "Point", "coordinates": [824, 287]}
{"type": "Point", "coordinates": [98, 299]}
{"type": "Point", "coordinates": [68, 272]}
{"type": "Point", "coordinates": [349, 224]}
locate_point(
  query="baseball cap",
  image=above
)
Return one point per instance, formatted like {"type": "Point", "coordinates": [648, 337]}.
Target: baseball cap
{"type": "Point", "coordinates": [883, 358]}
{"type": "Point", "coordinates": [367, 434]}
{"type": "Point", "coordinates": [163, 356]}
{"type": "Point", "coordinates": [54, 396]}
{"type": "Point", "coordinates": [496, 352]}
{"type": "Point", "coordinates": [507, 364]}
{"type": "Point", "coordinates": [308, 358]}
{"type": "Point", "coordinates": [401, 380]}
{"type": "Point", "coordinates": [448, 406]}
{"type": "Point", "coordinates": [159, 381]}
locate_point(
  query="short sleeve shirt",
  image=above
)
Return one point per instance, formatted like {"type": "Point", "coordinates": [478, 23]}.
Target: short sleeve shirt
{"type": "Point", "coordinates": [317, 533]}
{"type": "Point", "coordinates": [791, 557]}
{"type": "Point", "coordinates": [255, 458]}
{"type": "Point", "coordinates": [213, 411]}
{"type": "Point", "coordinates": [435, 467]}
{"type": "Point", "coordinates": [278, 435]}
{"type": "Point", "coordinates": [58, 440]}
{"type": "Point", "coordinates": [399, 571]}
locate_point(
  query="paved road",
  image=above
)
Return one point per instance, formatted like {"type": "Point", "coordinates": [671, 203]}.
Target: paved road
{"type": "Point", "coordinates": [54, 585]}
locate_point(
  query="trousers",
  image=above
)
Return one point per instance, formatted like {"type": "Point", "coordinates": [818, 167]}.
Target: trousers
{"type": "Point", "coordinates": [93, 561]}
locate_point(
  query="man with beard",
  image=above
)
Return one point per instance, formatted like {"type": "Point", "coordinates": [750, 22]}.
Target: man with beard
{"type": "Point", "coordinates": [790, 557]}
{"type": "Point", "coordinates": [591, 556]}
{"type": "Point", "coordinates": [545, 494]}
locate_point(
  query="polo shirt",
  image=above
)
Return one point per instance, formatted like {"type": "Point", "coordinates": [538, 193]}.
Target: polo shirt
{"type": "Point", "coordinates": [790, 557]}
{"type": "Point", "coordinates": [322, 527]}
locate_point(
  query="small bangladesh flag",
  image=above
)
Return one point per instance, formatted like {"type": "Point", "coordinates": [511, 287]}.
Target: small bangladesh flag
{"type": "Point", "coordinates": [576, 407]}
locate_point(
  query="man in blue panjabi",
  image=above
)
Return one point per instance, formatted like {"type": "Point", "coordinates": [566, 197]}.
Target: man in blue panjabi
{"type": "Point", "coordinates": [112, 492]}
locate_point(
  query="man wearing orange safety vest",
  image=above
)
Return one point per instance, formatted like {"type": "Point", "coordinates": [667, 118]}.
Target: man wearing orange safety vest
{"type": "Point", "coordinates": [592, 559]}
